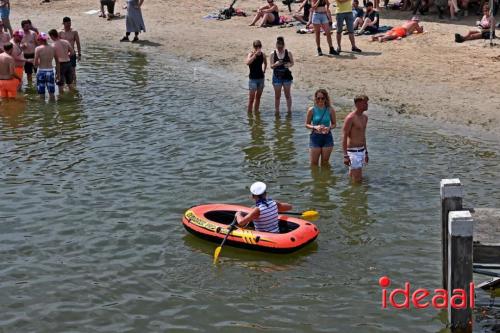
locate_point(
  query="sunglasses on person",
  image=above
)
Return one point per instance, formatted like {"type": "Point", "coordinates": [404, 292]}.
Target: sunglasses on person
{"type": "Point", "coordinates": [320, 98]}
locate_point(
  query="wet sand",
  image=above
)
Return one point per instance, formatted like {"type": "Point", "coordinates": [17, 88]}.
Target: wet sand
{"type": "Point", "coordinates": [427, 74]}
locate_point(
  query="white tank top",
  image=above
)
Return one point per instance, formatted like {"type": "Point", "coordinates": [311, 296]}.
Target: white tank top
{"type": "Point", "coordinates": [268, 218]}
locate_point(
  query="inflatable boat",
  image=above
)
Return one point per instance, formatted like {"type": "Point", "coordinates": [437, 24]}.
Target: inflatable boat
{"type": "Point", "coordinates": [212, 221]}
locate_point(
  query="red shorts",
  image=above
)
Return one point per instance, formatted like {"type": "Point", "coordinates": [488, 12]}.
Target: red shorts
{"type": "Point", "coordinates": [398, 32]}
{"type": "Point", "coordinates": [8, 88]}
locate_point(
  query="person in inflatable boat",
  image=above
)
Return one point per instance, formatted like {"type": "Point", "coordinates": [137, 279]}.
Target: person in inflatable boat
{"type": "Point", "coordinates": [265, 213]}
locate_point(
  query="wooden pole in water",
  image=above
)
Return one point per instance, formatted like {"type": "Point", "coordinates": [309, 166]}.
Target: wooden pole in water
{"type": "Point", "coordinates": [460, 233]}
{"type": "Point", "coordinates": [451, 199]}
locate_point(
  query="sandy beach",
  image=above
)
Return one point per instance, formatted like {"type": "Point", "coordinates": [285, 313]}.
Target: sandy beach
{"type": "Point", "coordinates": [427, 74]}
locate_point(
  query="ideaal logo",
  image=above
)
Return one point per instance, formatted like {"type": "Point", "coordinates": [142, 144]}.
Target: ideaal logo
{"type": "Point", "coordinates": [422, 298]}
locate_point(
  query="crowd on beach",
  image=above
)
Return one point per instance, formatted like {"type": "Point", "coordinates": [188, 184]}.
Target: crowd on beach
{"type": "Point", "coordinates": [357, 21]}
{"type": "Point", "coordinates": [51, 56]}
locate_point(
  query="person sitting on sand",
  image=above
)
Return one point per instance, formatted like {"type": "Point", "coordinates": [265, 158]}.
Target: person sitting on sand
{"type": "Point", "coordinates": [9, 80]}
{"type": "Point", "coordinates": [304, 18]}
{"type": "Point", "coordinates": [483, 28]}
{"type": "Point", "coordinates": [406, 29]}
{"type": "Point", "coordinates": [269, 15]}
{"type": "Point", "coordinates": [371, 20]}
{"type": "Point", "coordinates": [358, 14]}
{"type": "Point", "coordinates": [265, 213]}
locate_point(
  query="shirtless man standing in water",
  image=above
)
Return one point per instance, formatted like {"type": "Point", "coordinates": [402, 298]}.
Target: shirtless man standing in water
{"type": "Point", "coordinates": [28, 44]}
{"type": "Point", "coordinates": [354, 138]}
{"type": "Point", "coordinates": [44, 55]}
{"type": "Point", "coordinates": [63, 51]}
{"type": "Point", "coordinates": [73, 38]}
{"type": "Point", "coordinates": [8, 77]}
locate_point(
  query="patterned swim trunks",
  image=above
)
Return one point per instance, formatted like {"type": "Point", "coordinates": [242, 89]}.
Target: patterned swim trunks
{"type": "Point", "coordinates": [45, 78]}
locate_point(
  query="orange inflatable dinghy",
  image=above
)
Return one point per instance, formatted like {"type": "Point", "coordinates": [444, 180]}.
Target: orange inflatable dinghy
{"type": "Point", "coordinates": [212, 221]}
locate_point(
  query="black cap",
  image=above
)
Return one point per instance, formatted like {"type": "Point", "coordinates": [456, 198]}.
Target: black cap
{"type": "Point", "coordinates": [66, 19]}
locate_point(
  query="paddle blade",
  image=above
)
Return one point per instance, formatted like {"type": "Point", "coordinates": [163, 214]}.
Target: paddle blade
{"type": "Point", "coordinates": [216, 254]}
{"type": "Point", "coordinates": [310, 214]}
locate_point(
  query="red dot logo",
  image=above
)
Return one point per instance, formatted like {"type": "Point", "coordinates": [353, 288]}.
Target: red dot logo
{"type": "Point", "coordinates": [384, 282]}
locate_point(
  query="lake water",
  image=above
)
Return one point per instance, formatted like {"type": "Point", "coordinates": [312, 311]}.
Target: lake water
{"type": "Point", "coordinates": [94, 185]}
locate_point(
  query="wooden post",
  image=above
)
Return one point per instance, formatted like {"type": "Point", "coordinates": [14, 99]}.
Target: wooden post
{"type": "Point", "coordinates": [460, 233]}
{"type": "Point", "coordinates": [451, 199]}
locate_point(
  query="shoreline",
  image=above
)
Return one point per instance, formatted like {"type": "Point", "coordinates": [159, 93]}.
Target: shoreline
{"type": "Point", "coordinates": [377, 73]}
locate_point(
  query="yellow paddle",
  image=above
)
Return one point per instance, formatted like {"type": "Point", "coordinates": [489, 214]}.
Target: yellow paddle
{"type": "Point", "coordinates": [308, 214]}
{"type": "Point", "coordinates": [232, 226]}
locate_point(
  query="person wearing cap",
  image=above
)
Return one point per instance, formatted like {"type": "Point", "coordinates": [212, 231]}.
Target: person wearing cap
{"type": "Point", "coordinates": [265, 214]}
{"type": "Point", "coordinates": [408, 28]}
{"type": "Point", "coordinates": [73, 38]}
{"type": "Point", "coordinates": [17, 54]}
{"type": "Point", "coordinates": [28, 45]}
{"type": "Point", "coordinates": [4, 16]}
{"type": "Point", "coordinates": [44, 57]}
{"type": "Point", "coordinates": [63, 51]}
{"type": "Point", "coordinates": [8, 77]}
{"type": "Point", "coordinates": [354, 138]}
{"type": "Point", "coordinates": [4, 37]}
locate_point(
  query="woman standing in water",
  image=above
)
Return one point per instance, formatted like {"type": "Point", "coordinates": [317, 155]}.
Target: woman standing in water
{"type": "Point", "coordinates": [281, 61]}
{"type": "Point", "coordinates": [257, 64]}
{"type": "Point", "coordinates": [321, 120]}
{"type": "Point", "coordinates": [134, 22]}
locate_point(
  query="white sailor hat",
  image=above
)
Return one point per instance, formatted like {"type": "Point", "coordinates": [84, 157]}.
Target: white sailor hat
{"type": "Point", "coordinates": [258, 188]}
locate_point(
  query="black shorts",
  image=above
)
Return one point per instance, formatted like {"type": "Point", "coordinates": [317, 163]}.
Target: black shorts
{"type": "Point", "coordinates": [72, 60]}
{"type": "Point", "coordinates": [486, 34]}
{"type": "Point", "coordinates": [28, 66]}
{"type": "Point", "coordinates": [65, 73]}
{"type": "Point", "coordinates": [372, 29]}
{"type": "Point", "coordinates": [110, 4]}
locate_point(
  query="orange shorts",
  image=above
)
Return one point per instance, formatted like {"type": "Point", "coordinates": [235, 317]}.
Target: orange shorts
{"type": "Point", "coordinates": [20, 71]}
{"type": "Point", "coordinates": [398, 32]}
{"type": "Point", "coordinates": [8, 88]}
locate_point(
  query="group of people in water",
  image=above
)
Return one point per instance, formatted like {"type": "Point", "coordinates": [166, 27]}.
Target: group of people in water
{"type": "Point", "coordinates": [320, 118]}
{"type": "Point", "coordinates": [27, 51]}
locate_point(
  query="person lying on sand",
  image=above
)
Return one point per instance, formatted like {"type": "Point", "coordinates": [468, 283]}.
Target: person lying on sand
{"type": "Point", "coordinates": [483, 28]}
{"type": "Point", "coordinates": [402, 31]}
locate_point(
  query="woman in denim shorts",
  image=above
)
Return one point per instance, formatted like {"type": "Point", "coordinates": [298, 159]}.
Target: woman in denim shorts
{"type": "Point", "coordinates": [321, 120]}
{"type": "Point", "coordinates": [321, 18]}
{"type": "Point", "coordinates": [281, 61]}
{"type": "Point", "coordinates": [257, 64]}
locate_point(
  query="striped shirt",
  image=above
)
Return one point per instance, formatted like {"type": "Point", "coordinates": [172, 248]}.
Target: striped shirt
{"type": "Point", "coordinates": [268, 218]}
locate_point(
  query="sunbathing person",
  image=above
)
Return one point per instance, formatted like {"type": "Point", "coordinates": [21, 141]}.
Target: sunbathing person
{"type": "Point", "coordinates": [406, 29]}
{"type": "Point", "coordinates": [482, 31]}
{"type": "Point", "coordinates": [268, 13]}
